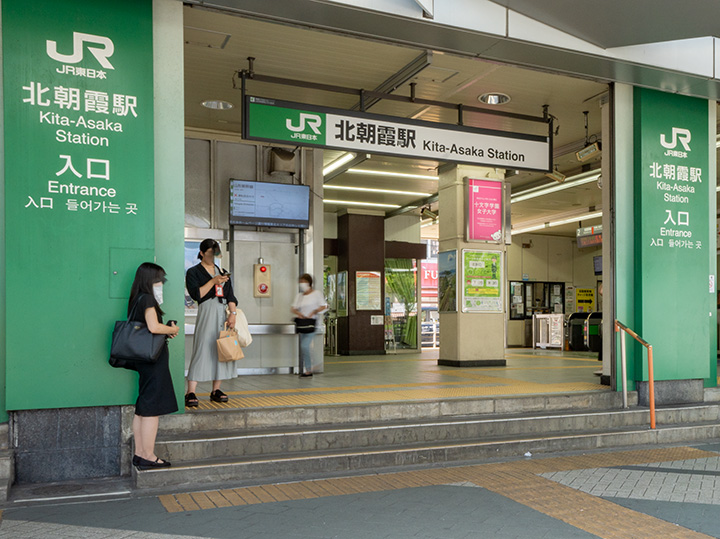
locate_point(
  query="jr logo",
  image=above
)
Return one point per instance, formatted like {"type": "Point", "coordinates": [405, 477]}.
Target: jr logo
{"type": "Point", "coordinates": [101, 54]}
{"type": "Point", "coordinates": [678, 135]}
{"type": "Point", "coordinates": [312, 120]}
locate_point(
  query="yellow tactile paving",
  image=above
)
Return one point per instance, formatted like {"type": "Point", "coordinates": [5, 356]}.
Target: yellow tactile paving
{"type": "Point", "coordinates": [510, 388]}
{"type": "Point", "coordinates": [519, 481]}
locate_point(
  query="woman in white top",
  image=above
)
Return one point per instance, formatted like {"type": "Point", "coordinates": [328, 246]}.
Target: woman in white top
{"type": "Point", "coordinates": [308, 305]}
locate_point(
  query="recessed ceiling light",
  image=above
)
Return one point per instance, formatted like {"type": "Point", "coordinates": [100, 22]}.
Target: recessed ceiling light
{"type": "Point", "coordinates": [217, 104]}
{"type": "Point", "coordinates": [352, 203]}
{"type": "Point", "coordinates": [494, 98]}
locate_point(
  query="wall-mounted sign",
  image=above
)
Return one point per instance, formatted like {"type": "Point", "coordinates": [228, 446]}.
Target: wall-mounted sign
{"type": "Point", "coordinates": [368, 290]}
{"type": "Point", "coordinates": [306, 125]}
{"type": "Point", "coordinates": [585, 299]}
{"type": "Point", "coordinates": [482, 279]}
{"type": "Point", "coordinates": [79, 183]}
{"type": "Point", "coordinates": [484, 210]}
{"type": "Point", "coordinates": [674, 247]}
{"type": "Point", "coordinates": [447, 281]}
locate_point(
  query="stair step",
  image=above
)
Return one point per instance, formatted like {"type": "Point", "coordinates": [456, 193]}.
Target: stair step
{"type": "Point", "coordinates": [288, 416]}
{"type": "Point", "coordinates": [204, 472]}
{"type": "Point", "coordinates": [243, 442]}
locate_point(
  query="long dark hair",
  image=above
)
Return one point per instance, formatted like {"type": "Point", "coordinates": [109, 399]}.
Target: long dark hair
{"type": "Point", "coordinates": [207, 244]}
{"type": "Point", "coordinates": [146, 276]}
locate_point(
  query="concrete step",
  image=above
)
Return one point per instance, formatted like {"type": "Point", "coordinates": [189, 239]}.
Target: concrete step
{"type": "Point", "coordinates": [279, 417]}
{"type": "Point", "coordinates": [265, 442]}
{"type": "Point", "coordinates": [202, 473]}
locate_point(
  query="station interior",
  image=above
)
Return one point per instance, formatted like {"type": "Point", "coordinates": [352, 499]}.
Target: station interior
{"type": "Point", "coordinates": [554, 262]}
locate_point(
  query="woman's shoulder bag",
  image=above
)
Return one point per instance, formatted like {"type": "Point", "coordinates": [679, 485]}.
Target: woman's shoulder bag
{"type": "Point", "coordinates": [132, 343]}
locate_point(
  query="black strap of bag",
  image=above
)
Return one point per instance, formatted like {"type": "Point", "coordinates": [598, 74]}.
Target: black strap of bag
{"type": "Point", "coordinates": [132, 342]}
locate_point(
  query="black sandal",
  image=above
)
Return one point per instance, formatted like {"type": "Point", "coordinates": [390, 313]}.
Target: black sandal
{"type": "Point", "coordinates": [218, 396]}
{"type": "Point", "coordinates": [191, 400]}
{"type": "Point", "coordinates": [144, 464]}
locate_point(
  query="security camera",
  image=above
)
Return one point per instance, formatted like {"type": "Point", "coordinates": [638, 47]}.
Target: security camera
{"type": "Point", "coordinates": [429, 214]}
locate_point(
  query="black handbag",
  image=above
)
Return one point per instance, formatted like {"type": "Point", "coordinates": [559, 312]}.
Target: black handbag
{"type": "Point", "coordinates": [132, 343]}
{"type": "Point", "coordinates": [304, 325]}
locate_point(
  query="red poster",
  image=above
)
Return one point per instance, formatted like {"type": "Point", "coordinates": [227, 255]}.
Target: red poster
{"type": "Point", "coordinates": [485, 210]}
{"type": "Point", "coordinates": [429, 278]}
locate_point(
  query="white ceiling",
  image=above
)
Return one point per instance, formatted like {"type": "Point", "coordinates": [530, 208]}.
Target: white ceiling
{"type": "Point", "coordinates": [218, 44]}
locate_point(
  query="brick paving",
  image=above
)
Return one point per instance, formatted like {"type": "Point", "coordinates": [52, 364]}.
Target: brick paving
{"type": "Point", "coordinates": [609, 494]}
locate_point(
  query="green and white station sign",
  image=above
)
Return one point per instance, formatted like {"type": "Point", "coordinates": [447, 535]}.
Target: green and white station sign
{"type": "Point", "coordinates": [305, 125]}
{"type": "Point", "coordinates": [79, 192]}
{"type": "Point", "coordinates": [674, 280]}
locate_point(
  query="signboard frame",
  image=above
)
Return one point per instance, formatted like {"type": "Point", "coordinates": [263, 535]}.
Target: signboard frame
{"type": "Point", "coordinates": [307, 120]}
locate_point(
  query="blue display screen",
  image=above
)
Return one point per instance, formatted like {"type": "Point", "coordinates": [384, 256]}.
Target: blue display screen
{"type": "Point", "coordinates": [269, 204]}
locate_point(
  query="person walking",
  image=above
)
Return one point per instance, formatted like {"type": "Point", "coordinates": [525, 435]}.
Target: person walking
{"type": "Point", "coordinates": [212, 289]}
{"type": "Point", "coordinates": [156, 394]}
{"type": "Point", "coordinates": [308, 304]}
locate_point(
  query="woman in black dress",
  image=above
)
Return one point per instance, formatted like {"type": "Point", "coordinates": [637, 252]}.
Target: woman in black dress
{"type": "Point", "coordinates": [156, 396]}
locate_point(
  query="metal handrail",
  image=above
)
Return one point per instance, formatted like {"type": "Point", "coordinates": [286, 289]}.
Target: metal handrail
{"type": "Point", "coordinates": [651, 380]}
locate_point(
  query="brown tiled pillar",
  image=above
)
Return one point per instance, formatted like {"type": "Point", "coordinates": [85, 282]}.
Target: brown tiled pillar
{"type": "Point", "coordinates": [361, 247]}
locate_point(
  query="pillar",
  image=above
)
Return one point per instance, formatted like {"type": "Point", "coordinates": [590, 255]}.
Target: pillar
{"type": "Point", "coordinates": [468, 339]}
{"type": "Point", "coordinates": [361, 243]}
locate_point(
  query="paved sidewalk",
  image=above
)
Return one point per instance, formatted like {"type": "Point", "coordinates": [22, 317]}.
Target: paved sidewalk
{"type": "Point", "coordinates": [608, 494]}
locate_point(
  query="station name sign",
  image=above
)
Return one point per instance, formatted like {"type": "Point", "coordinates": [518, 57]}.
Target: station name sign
{"type": "Point", "coordinates": [306, 125]}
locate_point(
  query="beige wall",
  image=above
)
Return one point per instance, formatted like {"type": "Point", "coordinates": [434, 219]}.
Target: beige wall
{"type": "Point", "coordinates": [548, 258]}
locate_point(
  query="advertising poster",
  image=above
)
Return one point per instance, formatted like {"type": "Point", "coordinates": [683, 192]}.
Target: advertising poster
{"type": "Point", "coordinates": [447, 281]}
{"type": "Point", "coordinates": [368, 290]}
{"type": "Point", "coordinates": [484, 210]}
{"type": "Point", "coordinates": [342, 306]}
{"type": "Point", "coordinates": [482, 276]}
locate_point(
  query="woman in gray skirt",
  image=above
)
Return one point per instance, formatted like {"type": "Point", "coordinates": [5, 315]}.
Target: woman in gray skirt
{"type": "Point", "coordinates": [210, 286]}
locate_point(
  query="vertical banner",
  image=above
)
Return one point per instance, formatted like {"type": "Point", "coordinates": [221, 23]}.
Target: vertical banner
{"type": "Point", "coordinates": [79, 184]}
{"type": "Point", "coordinates": [672, 231]}
{"type": "Point", "coordinates": [484, 211]}
{"type": "Point", "coordinates": [482, 276]}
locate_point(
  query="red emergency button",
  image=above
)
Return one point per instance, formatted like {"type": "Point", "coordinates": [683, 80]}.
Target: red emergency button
{"type": "Point", "coordinates": [263, 269]}
{"type": "Point", "coordinates": [263, 288]}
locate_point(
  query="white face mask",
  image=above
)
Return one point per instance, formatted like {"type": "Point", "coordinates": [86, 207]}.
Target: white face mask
{"type": "Point", "coordinates": [158, 292]}
{"type": "Point", "coordinates": [304, 287]}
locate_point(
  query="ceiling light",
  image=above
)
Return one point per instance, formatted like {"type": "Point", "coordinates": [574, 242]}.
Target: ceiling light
{"type": "Point", "coordinates": [427, 223]}
{"type": "Point", "coordinates": [528, 229]}
{"type": "Point", "coordinates": [381, 191]}
{"type": "Point", "coordinates": [717, 189]}
{"type": "Point", "coordinates": [572, 181]}
{"type": "Point", "coordinates": [350, 203]}
{"type": "Point", "coordinates": [217, 104]}
{"type": "Point", "coordinates": [393, 174]}
{"type": "Point", "coordinates": [583, 217]}
{"type": "Point", "coordinates": [494, 98]}
{"type": "Point", "coordinates": [340, 161]}
{"type": "Point", "coordinates": [566, 221]}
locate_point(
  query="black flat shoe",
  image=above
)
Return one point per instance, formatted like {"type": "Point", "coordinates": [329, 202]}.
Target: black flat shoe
{"type": "Point", "coordinates": [144, 464]}
{"type": "Point", "coordinates": [191, 400]}
{"type": "Point", "coordinates": [306, 375]}
{"type": "Point", "coordinates": [218, 396]}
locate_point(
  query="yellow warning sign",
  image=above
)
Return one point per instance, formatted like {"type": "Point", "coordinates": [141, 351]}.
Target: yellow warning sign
{"type": "Point", "coordinates": [585, 299]}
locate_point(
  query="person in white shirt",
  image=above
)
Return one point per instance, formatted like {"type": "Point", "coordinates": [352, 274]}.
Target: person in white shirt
{"type": "Point", "coordinates": [308, 305]}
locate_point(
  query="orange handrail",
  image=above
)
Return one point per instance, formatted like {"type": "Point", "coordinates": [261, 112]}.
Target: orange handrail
{"type": "Point", "coordinates": [651, 380]}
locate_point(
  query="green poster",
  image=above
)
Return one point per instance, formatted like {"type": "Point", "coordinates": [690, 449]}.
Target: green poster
{"type": "Point", "coordinates": [482, 279]}
{"type": "Point", "coordinates": [79, 184]}
{"type": "Point", "coordinates": [674, 285]}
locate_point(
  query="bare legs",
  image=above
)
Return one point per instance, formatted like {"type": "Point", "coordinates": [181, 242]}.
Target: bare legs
{"type": "Point", "coordinates": [145, 431]}
{"type": "Point", "coordinates": [192, 386]}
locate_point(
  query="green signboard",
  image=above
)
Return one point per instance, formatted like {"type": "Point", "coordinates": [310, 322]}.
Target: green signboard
{"type": "Point", "coordinates": [482, 280]}
{"type": "Point", "coordinates": [306, 125]}
{"type": "Point", "coordinates": [79, 184]}
{"type": "Point", "coordinates": [674, 280]}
